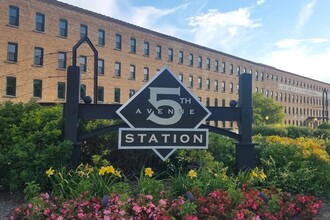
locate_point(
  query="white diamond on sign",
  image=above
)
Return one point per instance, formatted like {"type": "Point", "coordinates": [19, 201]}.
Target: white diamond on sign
{"type": "Point", "coordinates": [163, 116]}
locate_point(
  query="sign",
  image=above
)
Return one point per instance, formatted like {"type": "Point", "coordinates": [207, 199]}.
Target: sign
{"type": "Point", "coordinates": [163, 116]}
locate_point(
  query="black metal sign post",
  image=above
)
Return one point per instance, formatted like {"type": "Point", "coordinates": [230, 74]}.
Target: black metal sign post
{"type": "Point", "coordinates": [169, 116]}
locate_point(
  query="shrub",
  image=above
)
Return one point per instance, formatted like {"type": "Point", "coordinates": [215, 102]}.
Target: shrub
{"type": "Point", "coordinates": [32, 142]}
{"type": "Point", "coordinates": [268, 130]}
{"type": "Point", "coordinates": [296, 132]}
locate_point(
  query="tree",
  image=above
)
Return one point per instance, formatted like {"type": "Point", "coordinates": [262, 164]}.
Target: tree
{"type": "Point", "coordinates": [266, 111]}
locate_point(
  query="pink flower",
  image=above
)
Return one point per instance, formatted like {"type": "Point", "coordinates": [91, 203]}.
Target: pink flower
{"type": "Point", "coordinates": [47, 211]}
{"type": "Point", "coordinates": [81, 215]}
{"type": "Point", "coordinates": [149, 197]}
{"type": "Point", "coordinates": [256, 217]}
{"type": "Point", "coordinates": [17, 210]}
{"type": "Point", "coordinates": [137, 209]}
{"type": "Point", "coordinates": [162, 202]}
{"type": "Point", "coordinates": [30, 205]}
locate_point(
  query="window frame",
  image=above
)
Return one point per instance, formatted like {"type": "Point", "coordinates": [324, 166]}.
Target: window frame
{"type": "Point", "coordinates": [61, 90]}
{"type": "Point", "coordinates": [61, 63]}
{"type": "Point", "coordinates": [132, 42]}
{"type": "Point", "coordinates": [12, 56]}
{"type": "Point", "coordinates": [38, 59]}
{"type": "Point", "coordinates": [13, 20]}
{"type": "Point", "coordinates": [40, 24]}
{"type": "Point", "coordinates": [118, 41]}
{"type": "Point", "coordinates": [63, 27]}
{"type": "Point", "coordinates": [101, 37]}
{"type": "Point", "coordinates": [11, 85]}
{"type": "Point", "coordinates": [83, 28]}
{"type": "Point", "coordinates": [83, 66]}
{"type": "Point", "coordinates": [37, 88]}
{"type": "Point", "coordinates": [100, 68]}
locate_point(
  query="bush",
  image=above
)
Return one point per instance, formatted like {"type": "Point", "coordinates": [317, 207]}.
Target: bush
{"type": "Point", "coordinates": [296, 132]}
{"type": "Point", "coordinates": [268, 130]}
{"type": "Point", "coordinates": [31, 143]}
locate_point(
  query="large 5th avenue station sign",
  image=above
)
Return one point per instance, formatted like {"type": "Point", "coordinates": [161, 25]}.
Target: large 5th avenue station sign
{"type": "Point", "coordinates": [163, 116]}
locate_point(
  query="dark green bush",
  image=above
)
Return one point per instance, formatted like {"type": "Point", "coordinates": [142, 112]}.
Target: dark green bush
{"type": "Point", "coordinates": [325, 125]}
{"type": "Point", "coordinates": [31, 142]}
{"type": "Point", "coordinates": [296, 132]}
{"type": "Point", "coordinates": [267, 130]}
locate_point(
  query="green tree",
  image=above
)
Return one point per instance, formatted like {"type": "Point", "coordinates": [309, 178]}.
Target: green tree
{"type": "Point", "coordinates": [266, 111]}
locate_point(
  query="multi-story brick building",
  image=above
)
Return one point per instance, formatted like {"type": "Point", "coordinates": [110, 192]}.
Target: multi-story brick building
{"type": "Point", "coordinates": [36, 43]}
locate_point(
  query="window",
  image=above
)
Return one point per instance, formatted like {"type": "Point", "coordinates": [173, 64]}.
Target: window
{"type": "Point", "coordinates": [223, 67]}
{"type": "Point", "coordinates": [191, 81]}
{"type": "Point", "coordinates": [208, 63]}
{"type": "Point", "coordinates": [159, 52]}
{"type": "Point", "coordinates": [12, 52]}
{"type": "Point", "coordinates": [11, 86]}
{"type": "Point", "coordinates": [216, 102]}
{"type": "Point", "coordinates": [244, 70]}
{"type": "Point", "coordinates": [180, 57]}
{"type": "Point", "coordinates": [208, 84]}
{"type": "Point", "coordinates": [181, 77]}
{"type": "Point", "coordinates": [146, 74]}
{"type": "Point", "coordinates": [117, 69]}
{"type": "Point", "coordinates": [257, 75]}
{"type": "Point", "coordinates": [170, 54]}
{"type": "Point", "coordinates": [61, 90]}
{"type": "Point", "coordinates": [133, 45]}
{"type": "Point", "coordinates": [216, 85]}
{"type": "Point", "coordinates": [238, 70]}
{"type": "Point", "coordinates": [216, 65]}
{"type": "Point", "coordinates": [191, 59]}
{"type": "Point", "coordinates": [101, 37]}
{"type": "Point", "coordinates": [63, 28]}
{"type": "Point", "coordinates": [38, 56]}
{"type": "Point", "coordinates": [40, 22]}
{"type": "Point", "coordinates": [100, 94]}
{"type": "Point", "coordinates": [223, 86]}
{"type": "Point", "coordinates": [231, 87]}
{"type": "Point", "coordinates": [207, 102]}
{"type": "Point", "coordinates": [223, 102]}
{"type": "Point", "coordinates": [131, 93]}
{"type": "Point", "coordinates": [83, 30]}
{"type": "Point", "coordinates": [61, 60]}
{"type": "Point", "coordinates": [199, 83]}
{"type": "Point", "coordinates": [83, 63]}
{"type": "Point", "coordinates": [13, 15]}
{"type": "Point", "coordinates": [132, 72]}
{"type": "Point", "coordinates": [262, 76]}
{"type": "Point", "coordinates": [200, 62]}
{"type": "Point", "coordinates": [83, 90]}
{"type": "Point", "coordinates": [231, 67]}
{"type": "Point", "coordinates": [37, 88]}
{"type": "Point", "coordinates": [118, 42]}
{"type": "Point", "coordinates": [100, 67]}
{"type": "Point", "coordinates": [117, 95]}
{"type": "Point", "coordinates": [146, 48]}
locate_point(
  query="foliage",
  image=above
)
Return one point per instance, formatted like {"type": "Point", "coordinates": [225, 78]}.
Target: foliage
{"type": "Point", "coordinates": [30, 143]}
{"type": "Point", "coordinates": [296, 132]}
{"type": "Point", "coordinates": [98, 180]}
{"type": "Point", "coordinates": [266, 111]}
{"type": "Point", "coordinates": [325, 125]}
{"type": "Point", "coordinates": [267, 130]}
{"type": "Point", "coordinates": [296, 165]}
{"type": "Point", "coordinates": [216, 205]}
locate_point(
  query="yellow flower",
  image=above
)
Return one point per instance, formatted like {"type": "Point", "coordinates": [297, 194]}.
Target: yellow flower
{"type": "Point", "coordinates": [117, 173]}
{"type": "Point", "coordinates": [192, 173]}
{"type": "Point", "coordinates": [102, 171]}
{"type": "Point", "coordinates": [263, 175]}
{"type": "Point", "coordinates": [148, 172]}
{"type": "Point", "coordinates": [50, 172]}
{"type": "Point", "coordinates": [88, 169]}
{"type": "Point", "coordinates": [110, 169]}
{"type": "Point", "coordinates": [254, 174]}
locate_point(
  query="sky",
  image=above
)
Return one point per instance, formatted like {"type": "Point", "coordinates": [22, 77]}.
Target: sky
{"type": "Point", "coordinates": [290, 35]}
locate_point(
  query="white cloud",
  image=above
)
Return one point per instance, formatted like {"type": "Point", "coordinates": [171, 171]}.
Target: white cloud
{"type": "Point", "coordinates": [222, 30]}
{"type": "Point", "coordinates": [296, 56]}
{"type": "Point", "coordinates": [291, 43]}
{"type": "Point", "coordinates": [305, 14]}
{"type": "Point", "coordinates": [260, 2]}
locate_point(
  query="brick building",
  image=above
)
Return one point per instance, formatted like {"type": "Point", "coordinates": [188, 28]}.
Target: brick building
{"type": "Point", "coordinates": [36, 43]}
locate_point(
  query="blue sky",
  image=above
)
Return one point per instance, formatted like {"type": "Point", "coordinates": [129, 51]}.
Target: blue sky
{"type": "Point", "coordinates": [291, 35]}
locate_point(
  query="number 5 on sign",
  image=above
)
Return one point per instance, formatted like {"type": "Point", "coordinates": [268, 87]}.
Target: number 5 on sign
{"type": "Point", "coordinates": [176, 116]}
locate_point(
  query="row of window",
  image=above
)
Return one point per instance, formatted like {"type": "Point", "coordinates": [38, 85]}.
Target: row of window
{"type": "Point", "coordinates": [63, 32]}
{"type": "Point", "coordinates": [302, 111]}
{"type": "Point", "coordinates": [289, 98]}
